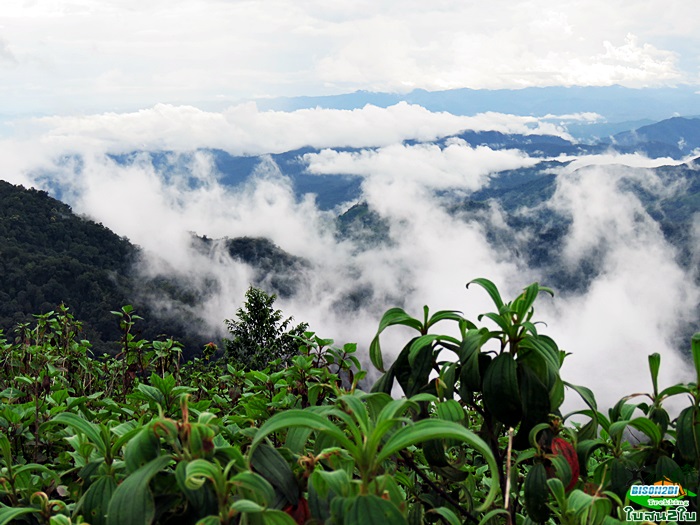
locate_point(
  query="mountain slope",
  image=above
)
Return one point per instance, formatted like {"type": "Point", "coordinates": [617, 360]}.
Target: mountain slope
{"type": "Point", "coordinates": [49, 256]}
{"type": "Point", "coordinates": [678, 136]}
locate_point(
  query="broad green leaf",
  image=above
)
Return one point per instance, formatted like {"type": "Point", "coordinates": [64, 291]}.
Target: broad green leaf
{"type": "Point", "coordinates": [132, 502]}
{"type": "Point", "coordinates": [277, 517]}
{"type": "Point", "coordinates": [270, 464]}
{"type": "Point", "coordinates": [654, 365]}
{"type": "Point", "coordinates": [336, 481]}
{"type": "Point", "coordinates": [492, 514]}
{"type": "Point", "coordinates": [59, 519]}
{"type": "Point", "coordinates": [305, 419]}
{"type": "Point", "coordinates": [79, 424]}
{"type": "Point", "coordinates": [202, 499]}
{"type": "Point", "coordinates": [255, 486]}
{"type": "Point", "coordinates": [141, 448]}
{"type": "Point", "coordinates": [397, 407]}
{"type": "Point", "coordinates": [199, 471]}
{"type": "Point", "coordinates": [152, 393]}
{"type": "Point", "coordinates": [532, 437]}
{"type": "Point", "coordinates": [358, 411]}
{"type": "Point", "coordinates": [543, 346]}
{"type": "Point", "coordinates": [245, 505]}
{"type": "Point", "coordinates": [649, 428]}
{"type": "Point", "coordinates": [490, 289]}
{"type": "Point", "coordinates": [585, 393]}
{"type": "Point", "coordinates": [585, 448]}
{"type": "Point", "coordinates": [296, 439]}
{"type": "Point", "coordinates": [616, 429]}
{"type": "Point", "coordinates": [673, 390]}
{"type": "Point", "coordinates": [372, 510]}
{"type": "Point", "coordinates": [391, 317]}
{"type": "Point", "coordinates": [428, 429]}
{"type": "Point", "coordinates": [95, 502]}
{"type": "Point", "coordinates": [525, 300]}
{"type": "Point", "coordinates": [695, 350]}
{"type": "Point", "coordinates": [579, 501]}
{"type": "Point", "coordinates": [452, 315]}
{"type": "Point", "coordinates": [35, 467]}
{"type": "Point", "coordinates": [448, 514]}
{"type": "Point", "coordinates": [7, 514]}
{"type": "Point", "coordinates": [502, 322]}
{"type": "Point", "coordinates": [558, 490]}
{"type": "Point", "coordinates": [450, 410]}
{"type": "Point", "coordinates": [425, 340]}
{"type": "Point", "coordinates": [375, 403]}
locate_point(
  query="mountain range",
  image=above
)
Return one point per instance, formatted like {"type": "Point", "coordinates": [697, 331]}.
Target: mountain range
{"type": "Point", "coordinates": [618, 108]}
{"type": "Point", "coordinates": [52, 255]}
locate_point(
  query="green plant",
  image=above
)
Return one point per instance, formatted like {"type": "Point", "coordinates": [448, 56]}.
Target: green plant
{"type": "Point", "coordinates": [260, 334]}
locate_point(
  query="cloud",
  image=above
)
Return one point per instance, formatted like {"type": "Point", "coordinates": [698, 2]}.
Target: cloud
{"type": "Point", "coordinates": [456, 166]}
{"type": "Point", "coordinates": [635, 160]}
{"type": "Point", "coordinates": [6, 54]}
{"type": "Point", "coordinates": [244, 130]}
{"type": "Point", "coordinates": [92, 56]}
{"type": "Point", "coordinates": [640, 300]}
{"type": "Point", "coordinates": [633, 306]}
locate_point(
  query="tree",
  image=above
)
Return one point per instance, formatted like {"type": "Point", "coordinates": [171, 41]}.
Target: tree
{"type": "Point", "coordinates": [260, 333]}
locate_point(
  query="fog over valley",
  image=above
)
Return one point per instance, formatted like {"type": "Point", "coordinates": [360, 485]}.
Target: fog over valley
{"type": "Point", "coordinates": [398, 206]}
{"type": "Point", "coordinates": [351, 157]}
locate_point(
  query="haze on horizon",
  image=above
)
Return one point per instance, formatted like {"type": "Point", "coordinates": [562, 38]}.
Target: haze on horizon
{"type": "Point", "coordinates": [63, 57]}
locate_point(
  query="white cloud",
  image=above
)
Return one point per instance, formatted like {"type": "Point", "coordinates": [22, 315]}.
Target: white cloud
{"type": "Point", "coordinates": [94, 55]}
{"type": "Point", "coordinates": [245, 130]}
{"type": "Point", "coordinates": [632, 307]}
{"type": "Point", "coordinates": [635, 160]}
{"type": "Point", "coordinates": [641, 296]}
{"type": "Point", "coordinates": [456, 166]}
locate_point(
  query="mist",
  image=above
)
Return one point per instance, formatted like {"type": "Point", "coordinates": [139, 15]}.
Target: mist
{"type": "Point", "coordinates": [635, 304]}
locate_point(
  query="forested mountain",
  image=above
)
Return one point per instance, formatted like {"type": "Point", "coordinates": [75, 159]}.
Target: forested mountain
{"type": "Point", "coordinates": [675, 136]}
{"type": "Point", "coordinates": [49, 256]}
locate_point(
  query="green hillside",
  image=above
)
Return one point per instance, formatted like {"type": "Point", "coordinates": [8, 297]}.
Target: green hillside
{"type": "Point", "coordinates": [49, 256]}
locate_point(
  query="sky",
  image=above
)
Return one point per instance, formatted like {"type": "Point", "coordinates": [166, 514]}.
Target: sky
{"type": "Point", "coordinates": [81, 80]}
{"type": "Point", "coordinates": [87, 56]}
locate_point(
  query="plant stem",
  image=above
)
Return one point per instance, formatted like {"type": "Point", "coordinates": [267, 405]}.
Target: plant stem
{"type": "Point", "coordinates": [456, 504]}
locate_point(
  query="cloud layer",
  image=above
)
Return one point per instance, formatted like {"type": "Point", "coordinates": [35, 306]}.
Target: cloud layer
{"type": "Point", "coordinates": [243, 130]}
{"type": "Point", "coordinates": [633, 307]}
{"type": "Point", "coordinates": [77, 56]}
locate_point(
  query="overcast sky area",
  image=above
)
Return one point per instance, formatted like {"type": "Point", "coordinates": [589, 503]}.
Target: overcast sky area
{"type": "Point", "coordinates": [82, 79]}
{"type": "Point", "coordinates": [86, 56]}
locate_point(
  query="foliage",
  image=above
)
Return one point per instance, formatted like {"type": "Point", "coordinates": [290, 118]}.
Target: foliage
{"type": "Point", "coordinates": [50, 256]}
{"type": "Point", "coordinates": [135, 438]}
{"type": "Point", "coordinates": [260, 334]}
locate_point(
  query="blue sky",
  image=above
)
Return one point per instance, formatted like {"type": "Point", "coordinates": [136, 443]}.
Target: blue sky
{"type": "Point", "coordinates": [86, 56]}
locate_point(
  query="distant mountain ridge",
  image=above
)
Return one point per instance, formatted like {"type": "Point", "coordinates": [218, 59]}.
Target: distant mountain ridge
{"type": "Point", "coordinates": [677, 133]}
{"type": "Point", "coordinates": [675, 138]}
{"type": "Point", "coordinates": [614, 103]}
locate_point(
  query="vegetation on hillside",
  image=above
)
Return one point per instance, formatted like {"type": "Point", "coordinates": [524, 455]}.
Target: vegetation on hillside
{"type": "Point", "coordinates": [50, 256]}
{"type": "Point", "coordinates": [478, 435]}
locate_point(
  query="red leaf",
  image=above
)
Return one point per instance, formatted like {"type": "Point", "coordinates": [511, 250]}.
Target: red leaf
{"type": "Point", "coordinates": [561, 447]}
{"type": "Point", "coordinates": [300, 513]}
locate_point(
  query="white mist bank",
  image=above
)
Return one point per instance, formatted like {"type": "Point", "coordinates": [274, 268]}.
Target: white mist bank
{"type": "Point", "coordinates": [639, 299]}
